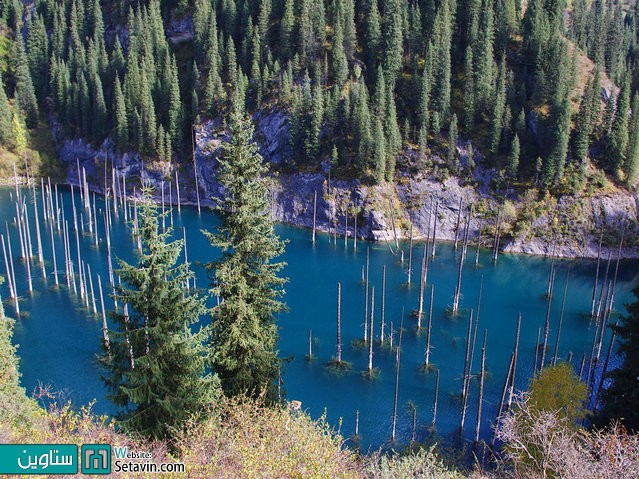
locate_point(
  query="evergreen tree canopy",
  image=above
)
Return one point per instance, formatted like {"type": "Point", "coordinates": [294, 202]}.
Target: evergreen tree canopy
{"type": "Point", "coordinates": [619, 132]}
{"type": "Point", "coordinates": [25, 92]}
{"type": "Point", "coordinates": [476, 59]}
{"type": "Point", "coordinates": [246, 277]}
{"type": "Point", "coordinates": [156, 359]}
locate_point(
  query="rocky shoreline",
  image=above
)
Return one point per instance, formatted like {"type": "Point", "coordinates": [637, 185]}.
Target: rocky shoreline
{"type": "Point", "coordinates": [384, 212]}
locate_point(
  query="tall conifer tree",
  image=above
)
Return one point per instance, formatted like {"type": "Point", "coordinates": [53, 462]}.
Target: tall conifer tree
{"type": "Point", "coordinates": [513, 158]}
{"type": "Point", "coordinates": [631, 167]}
{"type": "Point", "coordinates": [25, 92]}
{"type": "Point", "coordinates": [155, 361]}
{"type": "Point", "coordinates": [379, 145]}
{"type": "Point", "coordinates": [619, 131]}
{"type": "Point", "coordinates": [372, 33]}
{"type": "Point", "coordinates": [246, 277]}
{"type": "Point", "coordinates": [121, 122]}
{"type": "Point", "coordinates": [392, 37]}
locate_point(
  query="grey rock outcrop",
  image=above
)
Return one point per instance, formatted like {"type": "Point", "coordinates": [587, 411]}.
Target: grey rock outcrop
{"type": "Point", "coordinates": [384, 212]}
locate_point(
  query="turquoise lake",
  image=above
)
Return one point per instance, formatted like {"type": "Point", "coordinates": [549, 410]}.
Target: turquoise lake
{"type": "Point", "coordinates": [59, 337]}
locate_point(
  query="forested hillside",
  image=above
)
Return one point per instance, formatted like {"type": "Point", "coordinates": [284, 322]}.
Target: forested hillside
{"type": "Point", "coordinates": [362, 80]}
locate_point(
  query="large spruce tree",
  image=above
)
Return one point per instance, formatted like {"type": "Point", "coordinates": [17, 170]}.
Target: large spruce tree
{"type": "Point", "coordinates": [619, 132]}
{"type": "Point", "coordinates": [156, 358]}
{"type": "Point", "coordinates": [246, 277]}
{"type": "Point", "coordinates": [24, 91]}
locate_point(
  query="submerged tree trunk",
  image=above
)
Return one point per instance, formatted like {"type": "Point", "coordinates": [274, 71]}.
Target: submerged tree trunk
{"type": "Point", "coordinates": [338, 354]}
{"type": "Point", "coordinates": [397, 365]}
{"type": "Point", "coordinates": [435, 401]}
{"type": "Point", "coordinates": [430, 325]}
{"type": "Point", "coordinates": [561, 319]}
{"type": "Point", "coordinates": [410, 255]}
{"type": "Point", "coordinates": [481, 388]}
{"type": "Point", "coordinates": [382, 325]}
{"type": "Point", "coordinates": [596, 284]}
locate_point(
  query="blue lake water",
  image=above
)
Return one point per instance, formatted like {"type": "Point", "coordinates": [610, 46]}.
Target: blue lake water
{"type": "Point", "coordinates": [59, 337]}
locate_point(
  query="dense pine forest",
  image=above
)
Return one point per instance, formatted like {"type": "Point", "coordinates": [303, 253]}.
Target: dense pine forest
{"type": "Point", "coordinates": [544, 90]}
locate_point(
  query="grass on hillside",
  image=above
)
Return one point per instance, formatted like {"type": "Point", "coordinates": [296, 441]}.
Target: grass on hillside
{"type": "Point", "coordinates": [243, 440]}
{"type": "Point", "coordinates": [41, 156]}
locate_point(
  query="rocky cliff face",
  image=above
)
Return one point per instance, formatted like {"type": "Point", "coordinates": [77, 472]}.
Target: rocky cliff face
{"type": "Point", "coordinates": [569, 226]}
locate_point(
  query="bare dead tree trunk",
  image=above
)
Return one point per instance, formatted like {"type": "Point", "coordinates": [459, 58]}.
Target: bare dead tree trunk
{"type": "Point", "coordinates": [38, 236]}
{"type": "Point", "coordinates": [370, 342]}
{"type": "Point", "coordinates": [537, 350]}
{"type": "Point", "coordinates": [13, 273]}
{"type": "Point", "coordinates": [467, 232]}
{"type": "Point", "coordinates": [346, 229]}
{"type": "Point", "coordinates": [435, 402]}
{"type": "Point", "coordinates": [481, 389]}
{"type": "Point", "coordinates": [397, 366]}
{"type": "Point", "coordinates": [422, 284]}
{"type": "Point", "coordinates": [497, 235]}
{"type": "Point", "coordinates": [95, 220]}
{"type": "Point", "coordinates": [392, 215]}
{"type": "Point", "coordinates": [604, 323]}
{"type": "Point", "coordinates": [458, 287]}
{"type": "Point", "coordinates": [472, 348]}
{"type": "Point", "coordinates": [596, 284]}
{"type": "Point", "coordinates": [94, 306]}
{"type": "Point", "coordinates": [603, 287]}
{"type": "Point", "coordinates": [581, 367]}
{"type": "Point", "coordinates": [614, 282]}
{"type": "Point", "coordinates": [478, 246]}
{"type": "Point", "coordinates": [605, 365]}
{"type": "Point", "coordinates": [197, 186]}
{"type": "Point", "coordinates": [177, 191]}
{"type": "Point", "coordinates": [368, 251]}
{"type": "Point", "coordinates": [461, 267]}
{"type": "Point", "coordinates": [458, 221]}
{"type": "Point", "coordinates": [67, 273]}
{"type": "Point", "coordinates": [381, 337]}
{"type": "Point", "coordinates": [355, 232]}
{"type": "Point", "coordinates": [338, 355]}
{"type": "Point", "coordinates": [547, 323]}
{"type": "Point", "coordinates": [466, 378]}
{"type": "Point", "coordinates": [504, 391]}
{"type": "Point", "coordinates": [314, 213]}
{"type": "Point", "coordinates": [597, 341]}
{"type": "Point", "coordinates": [12, 294]}
{"type": "Point", "coordinates": [105, 330]}
{"type": "Point", "coordinates": [410, 255]}
{"type": "Point", "coordinates": [435, 229]}
{"type": "Point", "coordinates": [515, 354]}
{"type": "Point", "coordinates": [561, 318]}
{"type": "Point", "coordinates": [467, 356]}
{"type": "Point", "coordinates": [430, 325]}
{"type": "Point", "coordinates": [412, 434]}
